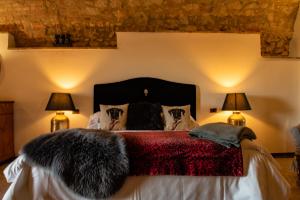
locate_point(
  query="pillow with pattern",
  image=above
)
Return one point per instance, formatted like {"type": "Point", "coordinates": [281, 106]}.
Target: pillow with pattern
{"type": "Point", "coordinates": [177, 117]}
{"type": "Point", "coordinates": [113, 117]}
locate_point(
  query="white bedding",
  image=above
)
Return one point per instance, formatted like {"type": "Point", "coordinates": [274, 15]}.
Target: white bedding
{"type": "Point", "coordinates": [262, 180]}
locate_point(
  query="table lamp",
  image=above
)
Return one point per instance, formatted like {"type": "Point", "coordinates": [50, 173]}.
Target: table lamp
{"type": "Point", "coordinates": [60, 102]}
{"type": "Point", "coordinates": [236, 102]}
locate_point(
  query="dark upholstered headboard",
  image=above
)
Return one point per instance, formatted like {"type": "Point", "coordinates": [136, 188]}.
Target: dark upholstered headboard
{"type": "Point", "coordinates": [145, 89]}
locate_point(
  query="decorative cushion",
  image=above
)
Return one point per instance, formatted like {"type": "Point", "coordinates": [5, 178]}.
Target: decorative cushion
{"type": "Point", "coordinates": [193, 123]}
{"type": "Point", "coordinates": [177, 117]}
{"type": "Point", "coordinates": [113, 117]}
{"type": "Point", "coordinates": [144, 116]}
{"type": "Point", "coordinates": [94, 121]}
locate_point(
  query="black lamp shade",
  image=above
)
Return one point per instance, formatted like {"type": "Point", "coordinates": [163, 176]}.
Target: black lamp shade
{"type": "Point", "coordinates": [236, 101]}
{"type": "Point", "coordinates": [60, 101]}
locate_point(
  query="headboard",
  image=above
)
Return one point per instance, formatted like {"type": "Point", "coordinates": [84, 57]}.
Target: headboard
{"type": "Point", "coordinates": [145, 89]}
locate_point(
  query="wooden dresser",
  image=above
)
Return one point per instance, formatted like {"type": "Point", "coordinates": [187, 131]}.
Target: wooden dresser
{"type": "Point", "coordinates": [6, 130]}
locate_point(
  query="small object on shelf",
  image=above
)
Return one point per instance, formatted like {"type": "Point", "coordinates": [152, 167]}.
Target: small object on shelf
{"type": "Point", "coordinates": [213, 110]}
{"type": "Point", "coordinates": [60, 102]}
{"type": "Point", "coordinates": [236, 102]}
{"type": "Point", "coordinates": [62, 40]}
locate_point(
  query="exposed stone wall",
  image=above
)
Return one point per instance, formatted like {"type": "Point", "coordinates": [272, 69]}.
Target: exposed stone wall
{"type": "Point", "coordinates": [92, 23]}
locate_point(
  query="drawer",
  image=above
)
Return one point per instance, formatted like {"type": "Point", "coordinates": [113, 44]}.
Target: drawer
{"type": "Point", "coordinates": [6, 137]}
{"type": "Point", "coordinates": [6, 107]}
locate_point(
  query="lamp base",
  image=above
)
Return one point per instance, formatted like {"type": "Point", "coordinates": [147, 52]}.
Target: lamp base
{"type": "Point", "coordinates": [59, 121]}
{"type": "Point", "coordinates": [236, 119]}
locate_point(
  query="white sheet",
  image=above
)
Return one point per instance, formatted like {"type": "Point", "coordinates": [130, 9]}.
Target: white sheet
{"type": "Point", "coordinates": [262, 181]}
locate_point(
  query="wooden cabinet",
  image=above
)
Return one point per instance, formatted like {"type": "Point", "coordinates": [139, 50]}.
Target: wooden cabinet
{"type": "Point", "coordinates": [6, 130]}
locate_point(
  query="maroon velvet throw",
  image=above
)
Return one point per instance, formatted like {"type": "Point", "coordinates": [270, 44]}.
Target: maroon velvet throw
{"type": "Point", "coordinates": [176, 153]}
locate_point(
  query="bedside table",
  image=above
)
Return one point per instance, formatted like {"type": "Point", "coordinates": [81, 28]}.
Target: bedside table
{"type": "Point", "coordinates": [6, 130]}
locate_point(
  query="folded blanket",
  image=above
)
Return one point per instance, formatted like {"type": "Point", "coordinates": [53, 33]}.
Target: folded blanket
{"type": "Point", "coordinates": [92, 163]}
{"type": "Point", "coordinates": [223, 133]}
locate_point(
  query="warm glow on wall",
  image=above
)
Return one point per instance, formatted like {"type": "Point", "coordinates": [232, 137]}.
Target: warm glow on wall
{"type": "Point", "coordinates": [228, 83]}
{"type": "Point", "coordinates": [229, 74]}
{"type": "Point", "coordinates": [66, 77]}
{"type": "Point", "coordinates": [72, 70]}
{"type": "Point", "coordinates": [231, 78]}
{"type": "Point", "coordinates": [66, 82]}
{"type": "Point", "coordinates": [228, 59]}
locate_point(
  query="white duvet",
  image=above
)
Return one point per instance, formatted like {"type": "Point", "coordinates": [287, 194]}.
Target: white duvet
{"type": "Point", "coordinates": [262, 180]}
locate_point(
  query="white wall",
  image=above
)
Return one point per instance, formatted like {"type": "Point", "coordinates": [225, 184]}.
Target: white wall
{"type": "Point", "coordinates": [217, 63]}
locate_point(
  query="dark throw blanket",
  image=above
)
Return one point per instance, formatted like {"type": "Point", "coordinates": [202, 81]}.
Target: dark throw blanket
{"type": "Point", "coordinates": [92, 163]}
{"type": "Point", "coordinates": [176, 153]}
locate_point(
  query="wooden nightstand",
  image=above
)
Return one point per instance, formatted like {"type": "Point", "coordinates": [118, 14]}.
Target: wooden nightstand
{"type": "Point", "coordinates": [6, 130]}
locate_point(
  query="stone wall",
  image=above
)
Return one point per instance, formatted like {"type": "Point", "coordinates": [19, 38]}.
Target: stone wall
{"type": "Point", "coordinates": [93, 23]}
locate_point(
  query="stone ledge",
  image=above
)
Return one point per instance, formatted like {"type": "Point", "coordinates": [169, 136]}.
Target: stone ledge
{"type": "Point", "coordinates": [94, 23]}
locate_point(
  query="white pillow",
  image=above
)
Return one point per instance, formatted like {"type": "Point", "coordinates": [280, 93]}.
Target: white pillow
{"type": "Point", "coordinates": [94, 121]}
{"type": "Point", "coordinates": [113, 117]}
{"type": "Point", "coordinates": [193, 123]}
{"type": "Point", "coordinates": [177, 117]}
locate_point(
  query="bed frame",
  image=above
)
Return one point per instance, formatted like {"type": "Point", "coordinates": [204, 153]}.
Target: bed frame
{"type": "Point", "coordinates": [145, 89]}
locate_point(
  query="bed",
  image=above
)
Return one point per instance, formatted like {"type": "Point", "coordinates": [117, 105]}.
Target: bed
{"type": "Point", "coordinates": [261, 178]}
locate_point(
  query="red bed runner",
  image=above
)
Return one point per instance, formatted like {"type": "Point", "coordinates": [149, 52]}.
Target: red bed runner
{"type": "Point", "coordinates": [176, 153]}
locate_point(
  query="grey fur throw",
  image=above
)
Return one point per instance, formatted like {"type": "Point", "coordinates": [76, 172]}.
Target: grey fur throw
{"type": "Point", "coordinates": [92, 163]}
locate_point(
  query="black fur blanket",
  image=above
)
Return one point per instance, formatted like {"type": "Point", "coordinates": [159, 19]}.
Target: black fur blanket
{"type": "Point", "coordinates": [92, 163]}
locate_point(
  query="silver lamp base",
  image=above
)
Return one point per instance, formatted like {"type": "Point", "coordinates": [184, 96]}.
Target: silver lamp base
{"type": "Point", "coordinates": [237, 119]}
{"type": "Point", "coordinates": [59, 121]}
